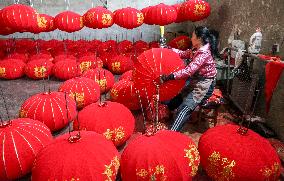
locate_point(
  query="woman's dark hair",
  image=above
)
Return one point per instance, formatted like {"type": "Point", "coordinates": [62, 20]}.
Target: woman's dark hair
{"type": "Point", "coordinates": [208, 36]}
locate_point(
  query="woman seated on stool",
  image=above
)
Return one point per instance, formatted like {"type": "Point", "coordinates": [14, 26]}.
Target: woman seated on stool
{"type": "Point", "coordinates": [201, 72]}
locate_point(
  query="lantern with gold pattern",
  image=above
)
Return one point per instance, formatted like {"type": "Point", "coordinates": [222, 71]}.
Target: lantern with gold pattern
{"type": "Point", "coordinates": [69, 21]}
{"type": "Point", "coordinates": [195, 10]}
{"type": "Point", "coordinates": [98, 17]}
{"type": "Point", "coordinates": [38, 69]}
{"type": "Point", "coordinates": [128, 18]}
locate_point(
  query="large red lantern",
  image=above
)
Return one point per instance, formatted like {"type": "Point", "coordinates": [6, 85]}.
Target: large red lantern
{"type": "Point", "coordinates": [167, 155]}
{"type": "Point", "coordinates": [88, 156]}
{"type": "Point", "coordinates": [195, 10]}
{"type": "Point", "coordinates": [161, 14]}
{"type": "Point", "coordinates": [65, 70]}
{"type": "Point", "coordinates": [38, 69]}
{"type": "Point", "coordinates": [103, 77]}
{"type": "Point", "coordinates": [49, 108]}
{"type": "Point", "coordinates": [128, 18]}
{"type": "Point", "coordinates": [12, 69]}
{"type": "Point", "coordinates": [69, 21]}
{"type": "Point", "coordinates": [120, 64]}
{"type": "Point", "coordinates": [229, 153]}
{"type": "Point", "coordinates": [98, 17]}
{"type": "Point", "coordinates": [84, 90]}
{"type": "Point", "coordinates": [180, 42]}
{"type": "Point", "coordinates": [111, 119]}
{"type": "Point", "coordinates": [124, 92]}
{"type": "Point", "coordinates": [21, 140]}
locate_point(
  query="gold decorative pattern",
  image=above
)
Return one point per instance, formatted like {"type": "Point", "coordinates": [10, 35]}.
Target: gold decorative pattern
{"type": "Point", "coordinates": [80, 97]}
{"type": "Point", "coordinates": [81, 22]}
{"type": "Point", "coordinates": [155, 173]}
{"type": "Point", "coordinates": [90, 16]}
{"type": "Point", "coordinates": [111, 169]}
{"type": "Point", "coordinates": [2, 72]}
{"type": "Point", "coordinates": [181, 44]}
{"type": "Point", "coordinates": [41, 21]}
{"type": "Point", "coordinates": [114, 94]}
{"type": "Point", "coordinates": [199, 9]}
{"type": "Point", "coordinates": [115, 135]}
{"type": "Point", "coordinates": [106, 19]}
{"type": "Point", "coordinates": [40, 72]}
{"type": "Point", "coordinates": [220, 168]}
{"type": "Point", "coordinates": [102, 83]}
{"type": "Point", "coordinates": [116, 66]}
{"type": "Point", "coordinates": [268, 172]}
{"type": "Point", "coordinates": [193, 155]}
{"type": "Point", "coordinates": [140, 18]}
{"type": "Point", "coordinates": [85, 66]}
{"type": "Point", "coordinates": [23, 113]}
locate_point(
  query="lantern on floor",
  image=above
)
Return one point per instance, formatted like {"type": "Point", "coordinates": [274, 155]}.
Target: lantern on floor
{"type": "Point", "coordinates": [43, 55]}
{"type": "Point", "coordinates": [84, 89]}
{"type": "Point", "coordinates": [65, 70]}
{"type": "Point", "coordinates": [120, 64]}
{"type": "Point", "coordinates": [126, 75]}
{"type": "Point", "coordinates": [140, 46]}
{"type": "Point", "coordinates": [103, 77]}
{"type": "Point", "coordinates": [12, 69]}
{"type": "Point", "coordinates": [111, 119]}
{"type": "Point", "coordinates": [21, 140]}
{"type": "Point", "coordinates": [154, 44]}
{"type": "Point", "coordinates": [64, 57]}
{"type": "Point", "coordinates": [161, 14]}
{"type": "Point", "coordinates": [38, 69]}
{"type": "Point", "coordinates": [124, 92]}
{"type": "Point", "coordinates": [180, 42]}
{"type": "Point", "coordinates": [98, 17]}
{"type": "Point", "coordinates": [19, 56]}
{"type": "Point", "coordinates": [167, 155]}
{"type": "Point", "coordinates": [231, 152]}
{"type": "Point", "coordinates": [124, 46]}
{"type": "Point", "coordinates": [89, 62]}
{"type": "Point", "coordinates": [69, 21]}
{"type": "Point", "coordinates": [49, 108]}
{"type": "Point", "coordinates": [86, 156]}
{"type": "Point", "coordinates": [128, 18]}
{"type": "Point", "coordinates": [195, 10]}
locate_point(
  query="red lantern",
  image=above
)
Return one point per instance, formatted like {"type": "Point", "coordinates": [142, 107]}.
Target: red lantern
{"type": "Point", "coordinates": [38, 69]}
{"type": "Point", "coordinates": [195, 10]}
{"type": "Point", "coordinates": [89, 62]}
{"type": "Point", "coordinates": [228, 154]}
{"type": "Point", "coordinates": [126, 75]}
{"type": "Point", "coordinates": [45, 23]}
{"type": "Point", "coordinates": [180, 42]}
{"type": "Point", "coordinates": [65, 70]}
{"type": "Point", "coordinates": [69, 21]}
{"type": "Point", "coordinates": [120, 64]}
{"type": "Point", "coordinates": [124, 47]}
{"type": "Point", "coordinates": [49, 108]}
{"type": "Point", "coordinates": [103, 77]}
{"type": "Point", "coordinates": [167, 155]}
{"type": "Point", "coordinates": [180, 17]}
{"type": "Point", "coordinates": [88, 157]}
{"type": "Point", "coordinates": [12, 69]}
{"type": "Point", "coordinates": [111, 119]}
{"type": "Point", "coordinates": [21, 140]}
{"type": "Point", "coordinates": [98, 17]}
{"type": "Point", "coordinates": [85, 90]}
{"type": "Point", "coordinates": [124, 92]}
{"type": "Point", "coordinates": [145, 11]}
{"type": "Point", "coordinates": [128, 18]}
{"type": "Point", "coordinates": [161, 14]}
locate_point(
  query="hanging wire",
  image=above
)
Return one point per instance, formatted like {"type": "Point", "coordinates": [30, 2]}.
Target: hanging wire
{"type": "Point", "coordinates": [16, 1]}
{"type": "Point", "coordinates": [67, 4]}
{"type": "Point", "coordinates": [143, 111]}
{"type": "Point", "coordinates": [31, 3]}
{"type": "Point", "coordinates": [149, 104]}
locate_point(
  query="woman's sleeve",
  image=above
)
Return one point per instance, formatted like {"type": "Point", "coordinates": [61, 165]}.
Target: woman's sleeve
{"type": "Point", "coordinates": [192, 67]}
{"type": "Point", "coordinates": [187, 54]}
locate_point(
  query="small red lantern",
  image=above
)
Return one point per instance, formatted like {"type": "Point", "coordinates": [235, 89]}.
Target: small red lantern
{"type": "Point", "coordinates": [120, 64]}
{"type": "Point", "coordinates": [89, 62]}
{"type": "Point", "coordinates": [128, 18]}
{"type": "Point", "coordinates": [84, 89]}
{"type": "Point", "coordinates": [111, 119]}
{"type": "Point", "coordinates": [65, 70]}
{"type": "Point", "coordinates": [69, 21]}
{"type": "Point", "coordinates": [180, 42]}
{"type": "Point", "coordinates": [229, 152]}
{"type": "Point", "coordinates": [195, 10]}
{"type": "Point", "coordinates": [12, 69]}
{"type": "Point", "coordinates": [38, 69]}
{"type": "Point", "coordinates": [21, 140]}
{"type": "Point", "coordinates": [103, 77]}
{"type": "Point", "coordinates": [126, 75]}
{"type": "Point", "coordinates": [161, 14]}
{"type": "Point", "coordinates": [49, 108]}
{"type": "Point", "coordinates": [98, 17]}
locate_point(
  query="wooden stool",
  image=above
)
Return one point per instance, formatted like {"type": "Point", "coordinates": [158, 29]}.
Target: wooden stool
{"type": "Point", "coordinates": [209, 111]}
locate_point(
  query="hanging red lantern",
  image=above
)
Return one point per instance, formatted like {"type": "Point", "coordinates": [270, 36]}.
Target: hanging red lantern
{"type": "Point", "coordinates": [12, 69]}
{"type": "Point", "coordinates": [161, 14]}
{"type": "Point", "coordinates": [124, 46]}
{"type": "Point", "coordinates": [89, 62]}
{"type": "Point", "coordinates": [124, 92]}
{"type": "Point", "coordinates": [126, 75]}
{"type": "Point", "coordinates": [180, 17]}
{"type": "Point", "coordinates": [229, 153]}
{"type": "Point", "coordinates": [180, 42]}
{"type": "Point", "coordinates": [38, 69]}
{"type": "Point", "coordinates": [145, 11]}
{"type": "Point", "coordinates": [84, 89]}
{"type": "Point", "coordinates": [103, 77]}
{"type": "Point", "coordinates": [128, 18]}
{"type": "Point", "coordinates": [49, 108]}
{"type": "Point", "coordinates": [65, 70]}
{"type": "Point", "coordinates": [111, 119]}
{"type": "Point", "coordinates": [21, 140]}
{"type": "Point", "coordinates": [45, 23]}
{"type": "Point", "coordinates": [69, 21]}
{"type": "Point", "coordinates": [195, 10]}
{"type": "Point", "coordinates": [98, 17]}
{"type": "Point", "coordinates": [120, 64]}
{"type": "Point", "coordinates": [167, 155]}
{"type": "Point", "coordinates": [86, 157]}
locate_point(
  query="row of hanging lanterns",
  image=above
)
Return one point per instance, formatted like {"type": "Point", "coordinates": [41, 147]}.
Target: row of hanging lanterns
{"type": "Point", "coordinates": [22, 18]}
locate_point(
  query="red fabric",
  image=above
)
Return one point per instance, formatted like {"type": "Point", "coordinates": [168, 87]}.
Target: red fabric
{"type": "Point", "coordinates": [113, 120]}
{"type": "Point", "coordinates": [244, 157]}
{"type": "Point", "coordinates": [98, 17]}
{"type": "Point", "coordinates": [273, 71]}
{"type": "Point", "coordinates": [180, 42]}
{"type": "Point", "coordinates": [151, 65]}
{"type": "Point", "coordinates": [65, 70]}
{"type": "Point", "coordinates": [103, 77]}
{"type": "Point", "coordinates": [128, 18]}
{"type": "Point", "coordinates": [12, 69]}
{"type": "Point", "coordinates": [69, 21]}
{"type": "Point", "coordinates": [124, 92]}
{"type": "Point", "coordinates": [49, 108]}
{"type": "Point", "coordinates": [126, 75]}
{"type": "Point", "coordinates": [20, 143]}
{"type": "Point", "coordinates": [195, 10]}
{"type": "Point", "coordinates": [124, 46]}
{"type": "Point", "coordinates": [91, 158]}
{"type": "Point", "coordinates": [38, 69]}
{"type": "Point", "coordinates": [161, 14]}
{"type": "Point", "coordinates": [120, 64]}
{"type": "Point", "coordinates": [167, 155]}
{"type": "Point", "coordinates": [86, 90]}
